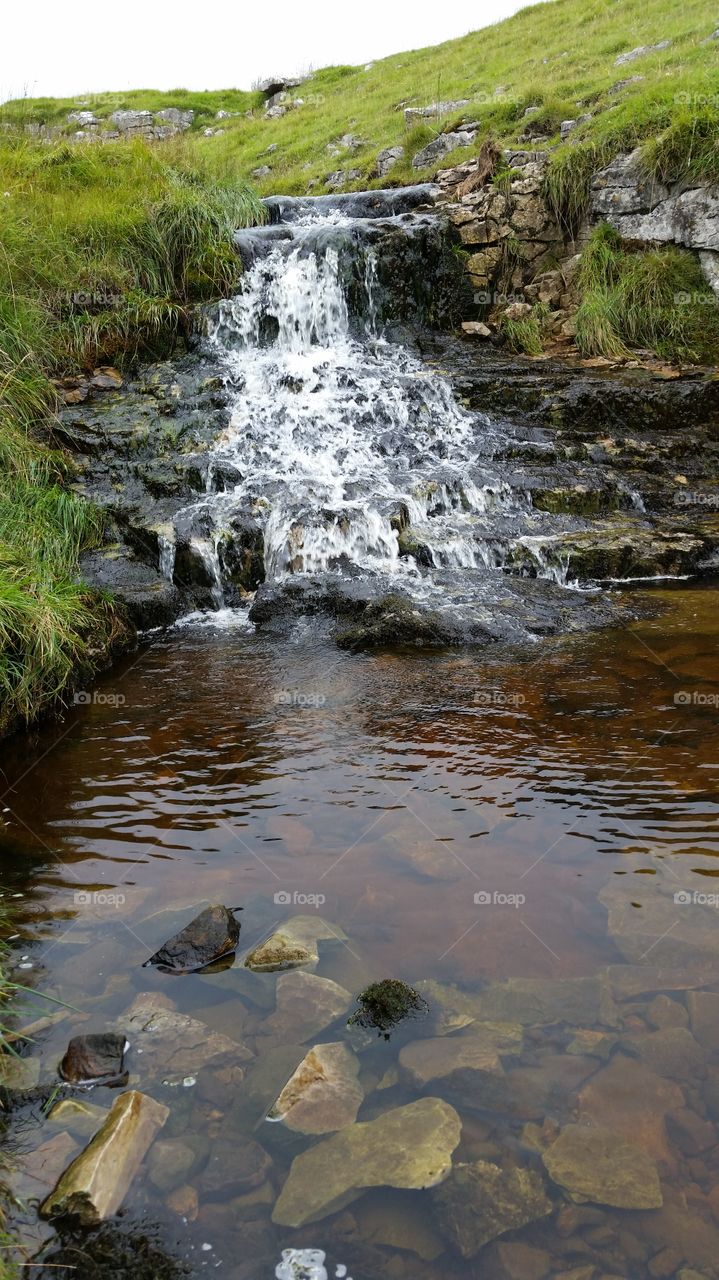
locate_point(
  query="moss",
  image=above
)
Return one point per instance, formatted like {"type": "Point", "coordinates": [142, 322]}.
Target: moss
{"type": "Point", "coordinates": [385, 1004]}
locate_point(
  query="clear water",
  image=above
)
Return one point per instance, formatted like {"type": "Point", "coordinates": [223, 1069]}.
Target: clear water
{"type": "Point", "coordinates": [216, 766]}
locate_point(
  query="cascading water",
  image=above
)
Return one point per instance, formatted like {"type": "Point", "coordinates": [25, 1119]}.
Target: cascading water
{"type": "Point", "coordinates": [350, 453]}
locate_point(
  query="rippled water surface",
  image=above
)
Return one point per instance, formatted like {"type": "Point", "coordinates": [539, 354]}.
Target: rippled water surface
{"type": "Point", "coordinates": [456, 817]}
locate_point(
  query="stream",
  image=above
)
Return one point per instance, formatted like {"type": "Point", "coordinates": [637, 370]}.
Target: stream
{"type": "Point", "coordinates": [525, 832]}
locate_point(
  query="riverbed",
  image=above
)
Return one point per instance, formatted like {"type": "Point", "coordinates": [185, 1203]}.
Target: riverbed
{"type": "Point", "coordinates": [454, 818]}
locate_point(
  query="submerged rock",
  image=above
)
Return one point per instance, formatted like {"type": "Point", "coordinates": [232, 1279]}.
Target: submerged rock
{"type": "Point", "coordinates": [94, 1186]}
{"type": "Point", "coordinates": [450, 1008]}
{"type": "Point", "coordinates": [95, 1059]}
{"type": "Point", "coordinates": [173, 1044]}
{"type": "Point", "coordinates": [77, 1115]}
{"type": "Point", "coordinates": [595, 1164]}
{"type": "Point", "coordinates": [408, 1147]}
{"type": "Point", "coordinates": [632, 1101]}
{"type": "Point", "coordinates": [323, 1094]}
{"type": "Point", "coordinates": [234, 1166]}
{"type": "Point", "coordinates": [305, 1005]}
{"type": "Point", "coordinates": [469, 1065]}
{"type": "Point", "coordinates": [543, 1001]}
{"type": "Point", "coordinates": [383, 1005]}
{"type": "Point", "coordinates": [210, 936]}
{"type": "Point", "coordinates": [666, 927]}
{"type": "Point", "coordinates": [481, 1201]}
{"type": "Point", "coordinates": [293, 945]}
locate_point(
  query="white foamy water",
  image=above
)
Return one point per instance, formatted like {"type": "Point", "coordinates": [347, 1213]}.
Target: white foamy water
{"type": "Point", "coordinates": [339, 438]}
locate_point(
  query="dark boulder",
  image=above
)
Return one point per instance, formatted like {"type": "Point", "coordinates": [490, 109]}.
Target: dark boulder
{"type": "Point", "coordinates": [95, 1059]}
{"type": "Point", "coordinates": [209, 937]}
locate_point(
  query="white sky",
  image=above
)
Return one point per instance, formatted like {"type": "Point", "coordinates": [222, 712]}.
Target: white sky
{"type": "Point", "coordinates": [61, 48]}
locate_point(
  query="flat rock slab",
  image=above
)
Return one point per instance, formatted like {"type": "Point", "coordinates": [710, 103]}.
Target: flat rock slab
{"type": "Point", "coordinates": [95, 1059]}
{"type": "Point", "coordinates": [94, 1186]}
{"type": "Point", "coordinates": [595, 1164]}
{"type": "Point", "coordinates": [408, 1147]}
{"type": "Point", "coordinates": [172, 1043]}
{"type": "Point", "coordinates": [631, 1100]}
{"type": "Point", "coordinates": [543, 1001]}
{"type": "Point", "coordinates": [481, 1201]}
{"type": "Point", "coordinates": [38, 1170]}
{"type": "Point", "coordinates": [305, 1005]}
{"type": "Point", "coordinates": [323, 1093]}
{"type": "Point", "coordinates": [467, 1063]}
{"type": "Point", "coordinates": [214, 933]}
{"type": "Point", "coordinates": [293, 945]}
{"type": "Point", "coordinates": [661, 930]}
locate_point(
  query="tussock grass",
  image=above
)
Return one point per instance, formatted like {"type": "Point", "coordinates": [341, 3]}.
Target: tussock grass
{"type": "Point", "coordinates": [103, 252]}
{"type": "Point", "coordinates": [656, 299]}
{"type": "Point", "coordinates": [525, 335]}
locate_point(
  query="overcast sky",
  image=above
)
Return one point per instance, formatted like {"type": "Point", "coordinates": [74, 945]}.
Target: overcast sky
{"type": "Point", "coordinates": [50, 48]}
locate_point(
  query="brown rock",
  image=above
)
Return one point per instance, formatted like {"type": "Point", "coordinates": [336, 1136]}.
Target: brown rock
{"type": "Point", "coordinates": [234, 1165]}
{"type": "Point", "coordinates": [632, 1101]}
{"type": "Point", "coordinates": [513, 1260]}
{"type": "Point", "coordinates": [664, 1264]}
{"type": "Point", "coordinates": [664, 1012]}
{"type": "Point", "coordinates": [595, 1164]}
{"type": "Point", "coordinates": [323, 1094]}
{"type": "Point", "coordinates": [305, 1005]}
{"type": "Point", "coordinates": [481, 1201]}
{"type": "Point", "coordinates": [689, 1132]}
{"type": "Point", "coordinates": [185, 1201]}
{"type": "Point", "coordinates": [94, 1186]}
{"type": "Point", "coordinates": [464, 1063]}
{"type": "Point", "coordinates": [704, 1017]}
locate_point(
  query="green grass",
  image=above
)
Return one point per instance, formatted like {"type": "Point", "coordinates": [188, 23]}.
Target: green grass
{"type": "Point", "coordinates": [525, 335]}
{"type": "Point", "coordinates": [104, 251]}
{"type": "Point", "coordinates": [558, 56]}
{"type": "Point", "coordinates": [656, 299]}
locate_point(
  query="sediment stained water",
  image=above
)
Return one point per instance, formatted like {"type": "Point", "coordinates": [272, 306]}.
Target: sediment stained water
{"type": "Point", "coordinates": [455, 818]}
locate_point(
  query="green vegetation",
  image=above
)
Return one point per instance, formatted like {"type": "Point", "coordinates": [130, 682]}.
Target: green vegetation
{"type": "Point", "coordinates": [103, 252]}
{"type": "Point", "coordinates": [557, 56]}
{"type": "Point", "coordinates": [525, 334]}
{"type": "Point", "coordinates": [657, 299]}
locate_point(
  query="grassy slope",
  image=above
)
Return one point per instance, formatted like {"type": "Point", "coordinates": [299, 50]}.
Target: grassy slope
{"type": "Point", "coordinates": [103, 251]}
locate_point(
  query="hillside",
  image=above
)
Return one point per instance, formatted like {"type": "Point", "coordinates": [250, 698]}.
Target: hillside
{"type": "Point", "coordinates": [559, 57]}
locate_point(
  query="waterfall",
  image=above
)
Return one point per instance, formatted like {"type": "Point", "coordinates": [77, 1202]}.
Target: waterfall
{"type": "Point", "coordinates": [350, 453]}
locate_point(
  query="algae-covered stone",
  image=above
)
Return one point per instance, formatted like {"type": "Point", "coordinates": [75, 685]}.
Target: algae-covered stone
{"type": "Point", "coordinates": [293, 945]}
{"type": "Point", "coordinates": [671, 1052]}
{"type": "Point", "coordinates": [408, 1147]}
{"type": "Point", "coordinates": [323, 1093]}
{"type": "Point", "coordinates": [481, 1201]}
{"type": "Point", "coordinates": [94, 1186]}
{"type": "Point", "coordinates": [597, 1165]}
